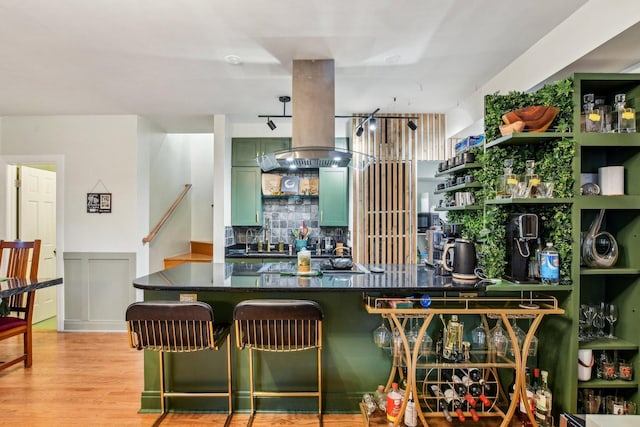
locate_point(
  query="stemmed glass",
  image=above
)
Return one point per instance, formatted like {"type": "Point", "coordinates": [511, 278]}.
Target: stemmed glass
{"type": "Point", "coordinates": [412, 333]}
{"type": "Point", "coordinates": [598, 320]}
{"type": "Point", "coordinates": [611, 316]}
{"type": "Point", "coordinates": [589, 315]}
{"type": "Point", "coordinates": [382, 336]}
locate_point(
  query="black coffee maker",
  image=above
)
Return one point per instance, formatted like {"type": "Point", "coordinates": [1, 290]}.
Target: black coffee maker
{"type": "Point", "coordinates": [522, 230]}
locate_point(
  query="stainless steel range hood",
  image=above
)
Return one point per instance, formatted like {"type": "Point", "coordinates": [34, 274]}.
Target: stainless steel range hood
{"type": "Point", "coordinates": [313, 123]}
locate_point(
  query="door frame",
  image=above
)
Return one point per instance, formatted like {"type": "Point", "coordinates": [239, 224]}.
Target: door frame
{"type": "Point", "coordinates": [58, 161]}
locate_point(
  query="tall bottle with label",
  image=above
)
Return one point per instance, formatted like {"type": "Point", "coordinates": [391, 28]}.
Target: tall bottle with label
{"type": "Point", "coordinates": [550, 265]}
{"type": "Point", "coordinates": [544, 403]}
{"type": "Point", "coordinates": [394, 403]}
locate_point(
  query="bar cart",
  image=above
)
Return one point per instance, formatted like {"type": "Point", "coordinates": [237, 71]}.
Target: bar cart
{"type": "Point", "coordinates": [422, 373]}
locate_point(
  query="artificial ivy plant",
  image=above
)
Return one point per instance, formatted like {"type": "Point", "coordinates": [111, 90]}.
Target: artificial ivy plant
{"type": "Point", "coordinates": [553, 163]}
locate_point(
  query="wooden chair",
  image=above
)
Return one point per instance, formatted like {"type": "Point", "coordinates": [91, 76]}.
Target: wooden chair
{"type": "Point", "coordinates": [14, 263]}
{"type": "Point", "coordinates": [178, 327]}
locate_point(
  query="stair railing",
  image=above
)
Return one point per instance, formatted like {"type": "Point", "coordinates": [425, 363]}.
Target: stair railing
{"type": "Point", "coordinates": [167, 214]}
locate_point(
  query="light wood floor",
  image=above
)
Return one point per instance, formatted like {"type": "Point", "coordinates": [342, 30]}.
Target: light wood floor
{"type": "Point", "coordinates": [94, 379]}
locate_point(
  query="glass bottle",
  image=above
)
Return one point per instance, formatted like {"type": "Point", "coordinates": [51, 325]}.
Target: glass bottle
{"type": "Point", "coordinates": [605, 115]}
{"type": "Point", "coordinates": [453, 337]}
{"type": "Point", "coordinates": [625, 118]}
{"type": "Point", "coordinates": [434, 390]}
{"type": "Point", "coordinates": [591, 115]}
{"type": "Point", "coordinates": [531, 179]}
{"type": "Point", "coordinates": [544, 403]}
{"type": "Point", "coordinates": [549, 265]}
{"type": "Point", "coordinates": [381, 398]}
{"type": "Point", "coordinates": [507, 182]}
{"type": "Point", "coordinates": [410, 413]}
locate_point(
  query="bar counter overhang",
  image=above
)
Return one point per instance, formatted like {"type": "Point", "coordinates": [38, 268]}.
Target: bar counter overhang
{"type": "Point", "coordinates": [352, 363]}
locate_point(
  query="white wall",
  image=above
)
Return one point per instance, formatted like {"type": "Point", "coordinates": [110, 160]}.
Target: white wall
{"type": "Point", "coordinates": [170, 171]}
{"type": "Point", "coordinates": [201, 146]}
{"type": "Point", "coordinates": [100, 155]}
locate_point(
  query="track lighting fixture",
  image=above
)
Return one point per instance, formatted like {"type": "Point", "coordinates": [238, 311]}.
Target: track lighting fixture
{"type": "Point", "coordinates": [372, 123]}
{"type": "Point", "coordinates": [359, 131]}
{"type": "Point", "coordinates": [412, 125]}
{"type": "Point", "coordinates": [270, 123]}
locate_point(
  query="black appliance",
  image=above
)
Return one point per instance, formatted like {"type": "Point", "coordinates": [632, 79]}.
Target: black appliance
{"type": "Point", "coordinates": [459, 258]}
{"type": "Point", "coordinates": [522, 229]}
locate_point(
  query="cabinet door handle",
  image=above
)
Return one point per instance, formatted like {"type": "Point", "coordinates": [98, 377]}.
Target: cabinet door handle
{"type": "Point", "coordinates": [257, 220]}
{"type": "Point", "coordinates": [321, 215]}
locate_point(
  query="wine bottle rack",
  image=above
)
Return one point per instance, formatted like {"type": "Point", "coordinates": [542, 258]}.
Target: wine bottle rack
{"type": "Point", "coordinates": [420, 372]}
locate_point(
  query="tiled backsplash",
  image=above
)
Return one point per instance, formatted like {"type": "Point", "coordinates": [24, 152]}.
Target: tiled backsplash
{"type": "Point", "coordinates": [283, 215]}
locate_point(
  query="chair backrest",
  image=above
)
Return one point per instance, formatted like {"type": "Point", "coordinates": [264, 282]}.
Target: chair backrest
{"type": "Point", "coordinates": [170, 326]}
{"type": "Point", "coordinates": [15, 257]}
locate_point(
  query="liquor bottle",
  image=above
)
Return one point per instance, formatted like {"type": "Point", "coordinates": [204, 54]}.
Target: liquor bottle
{"type": "Point", "coordinates": [625, 118]}
{"type": "Point", "coordinates": [507, 182]}
{"type": "Point", "coordinates": [531, 179]}
{"type": "Point", "coordinates": [544, 403]}
{"type": "Point", "coordinates": [549, 265]}
{"type": "Point", "coordinates": [410, 413]}
{"type": "Point", "coordinates": [521, 408]}
{"type": "Point", "coordinates": [442, 404]}
{"type": "Point", "coordinates": [381, 398]}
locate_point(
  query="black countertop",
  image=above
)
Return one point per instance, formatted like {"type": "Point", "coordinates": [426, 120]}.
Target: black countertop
{"type": "Point", "coordinates": [281, 276]}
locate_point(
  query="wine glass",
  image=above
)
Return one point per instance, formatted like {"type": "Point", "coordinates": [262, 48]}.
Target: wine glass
{"type": "Point", "coordinates": [598, 320]}
{"type": "Point", "coordinates": [382, 336]}
{"type": "Point", "coordinates": [611, 316]}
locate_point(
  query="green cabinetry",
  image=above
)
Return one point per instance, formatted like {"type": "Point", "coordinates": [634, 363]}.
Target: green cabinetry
{"type": "Point", "coordinates": [619, 285]}
{"type": "Point", "coordinates": [333, 204]}
{"type": "Point", "coordinates": [245, 150]}
{"type": "Point", "coordinates": [246, 196]}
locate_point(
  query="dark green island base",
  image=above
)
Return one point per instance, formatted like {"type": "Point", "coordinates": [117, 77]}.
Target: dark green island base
{"type": "Point", "coordinates": [352, 363]}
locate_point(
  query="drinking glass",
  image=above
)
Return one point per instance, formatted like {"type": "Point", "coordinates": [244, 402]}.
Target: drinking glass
{"type": "Point", "coordinates": [598, 320]}
{"type": "Point", "coordinates": [412, 333]}
{"type": "Point", "coordinates": [382, 336]}
{"type": "Point", "coordinates": [611, 316]}
{"type": "Point", "coordinates": [589, 313]}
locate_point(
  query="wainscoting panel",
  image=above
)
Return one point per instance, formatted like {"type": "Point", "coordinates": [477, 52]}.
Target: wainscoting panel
{"type": "Point", "coordinates": [98, 289]}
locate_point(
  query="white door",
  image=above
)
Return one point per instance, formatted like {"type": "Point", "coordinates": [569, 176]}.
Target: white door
{"type": "Point", "coordinates": [37, 220]}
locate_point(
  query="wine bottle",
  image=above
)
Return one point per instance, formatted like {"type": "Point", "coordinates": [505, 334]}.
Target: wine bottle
{"type": "Point", "coordinates": [473, 412]}
{"type": "Point", "coordinates": [442, 405]}
{"type": "Point", "coordinates": [462, 390]}
{"type": "Point", "coordinates": [477, 391]}
{"type": "Point", "coordinates": [476, 376]}
{"type": "Point", "coordinates": [453, 400]}
{"type": "Point", "coordinates": [543, 401]}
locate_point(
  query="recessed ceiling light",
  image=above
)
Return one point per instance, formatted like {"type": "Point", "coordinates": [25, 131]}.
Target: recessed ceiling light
{"type": "Point", "coordinates": [233, 59]}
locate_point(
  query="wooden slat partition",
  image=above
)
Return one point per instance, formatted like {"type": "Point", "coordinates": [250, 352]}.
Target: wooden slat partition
{"type": "Point", "coordinates": [385, 202]}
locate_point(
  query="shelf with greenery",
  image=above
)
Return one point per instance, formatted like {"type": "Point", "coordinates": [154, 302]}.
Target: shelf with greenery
{"type": "Point", "coordinates": [528, 138]}
{"type": "Point", "coordinates": [507, 286]}
{"type": "Point", "coordinates": [529, 201]}
{"type": "Point", "coordinates": [458, 187]}
{"type": "Point", "coordinates": [459, 168]}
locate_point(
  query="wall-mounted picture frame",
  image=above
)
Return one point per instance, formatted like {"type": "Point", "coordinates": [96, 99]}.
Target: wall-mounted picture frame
{"type": "Point", "coordinates": [98, 202]}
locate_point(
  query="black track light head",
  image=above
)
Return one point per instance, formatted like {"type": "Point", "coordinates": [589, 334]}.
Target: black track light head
{"type": "Point", "coordinates": [359, 131]}
{"type": "Point", "coordinates": [412, 125]}
{"type": "Point", "coordinates": [270, 123]}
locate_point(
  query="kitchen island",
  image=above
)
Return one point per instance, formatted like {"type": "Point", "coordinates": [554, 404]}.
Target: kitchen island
{"type": "Point", "coordinates": [352, 363]}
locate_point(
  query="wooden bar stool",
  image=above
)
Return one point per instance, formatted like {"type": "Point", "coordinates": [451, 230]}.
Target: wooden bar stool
{"type": "Point", "coordinates": [177, 327]}
{"type": "Point", "coordinates": [279, 326]}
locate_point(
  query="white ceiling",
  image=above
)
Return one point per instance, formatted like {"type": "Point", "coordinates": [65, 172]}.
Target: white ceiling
{"type": "Point", "coordinates": [166, 58]}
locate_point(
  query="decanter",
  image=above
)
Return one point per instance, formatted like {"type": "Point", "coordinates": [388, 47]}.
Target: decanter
{"type": "Point", "coordinates": [625, 118]}
{"type": "Point", "coordinates": [531, 179]}
{"type": "Point", "coordinates": [591, 116]}
{"type": "Point", "coordinates": [507, 182]}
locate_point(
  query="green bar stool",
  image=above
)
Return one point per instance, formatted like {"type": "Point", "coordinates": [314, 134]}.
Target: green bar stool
{"type": "Point", "coordinates": [177, 327]}
{"type": "Point", "coordinates": [278, 325]}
